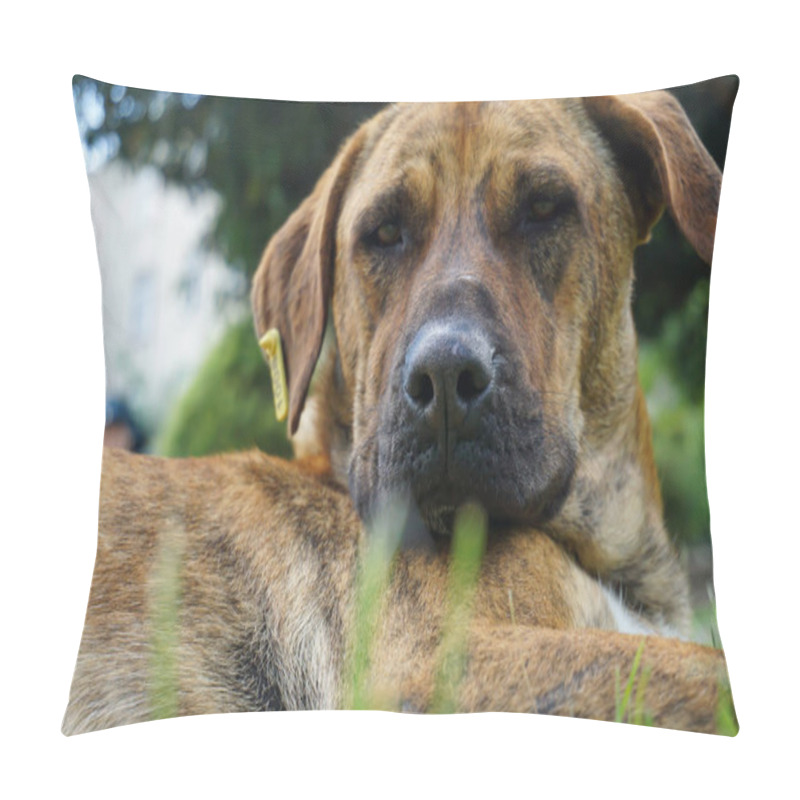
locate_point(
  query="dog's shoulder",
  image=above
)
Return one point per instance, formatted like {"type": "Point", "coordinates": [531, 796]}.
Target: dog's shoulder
{"type": "Point", "coordinates": [232, 492]}
{"type": "Point", "coordinates": [127, 472]}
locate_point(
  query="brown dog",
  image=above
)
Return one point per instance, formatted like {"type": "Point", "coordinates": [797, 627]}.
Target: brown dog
{"type": "Point", "coordinates": [478, 263]}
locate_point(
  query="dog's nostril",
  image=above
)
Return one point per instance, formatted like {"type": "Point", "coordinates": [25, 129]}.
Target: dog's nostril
{"type": "Point", "coordinates": [447, 373]}
{"type": "Point", "coordinates": [471, 384]}
{"type": "Point", "coordinates": [420, 388]}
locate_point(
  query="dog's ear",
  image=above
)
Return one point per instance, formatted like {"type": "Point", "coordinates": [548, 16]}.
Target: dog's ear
{"type": "Point", "coordinates": [663, 163]}
{"type": "Point", "coordinates": [292, 286]}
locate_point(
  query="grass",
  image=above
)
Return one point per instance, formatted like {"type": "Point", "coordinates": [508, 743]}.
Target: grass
{"type": "Point", "coordinates": [372, 592]}
{"type": "Point", "coordinates": [372, 589]}
{"type": "Point", "coordinates": [372, 584]}
{"type": "Point", "coordinates": [705, 623]}
{"type": "Point", "coordinates": [727, 723]}
{"type": "Point", "coordinates": [469, 543]}
{"type": "Point", "coordinates": [467, 550]}
{"type": "Point", "coordinates": [634, 714]}
{"type": "Point", "coordinates": [164, 599]}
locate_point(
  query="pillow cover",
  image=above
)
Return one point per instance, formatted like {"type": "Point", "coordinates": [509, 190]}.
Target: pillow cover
{"type": "Point", "coordinates": [494, 496]}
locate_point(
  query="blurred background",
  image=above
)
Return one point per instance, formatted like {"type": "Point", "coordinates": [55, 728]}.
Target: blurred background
{"type": "Point", "coordinates": [186, 190]}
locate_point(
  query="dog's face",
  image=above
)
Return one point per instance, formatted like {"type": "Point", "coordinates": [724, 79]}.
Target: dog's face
{"type": "Point", "coordinates": [478, 262]}
{"type": "Point", "coordinates": [477, 266]}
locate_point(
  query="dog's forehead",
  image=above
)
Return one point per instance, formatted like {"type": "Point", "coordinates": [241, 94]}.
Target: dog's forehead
{"type": "Point", "coordinates": [458, 144]}
{"type": "Point", "coordinates": [459, 134]}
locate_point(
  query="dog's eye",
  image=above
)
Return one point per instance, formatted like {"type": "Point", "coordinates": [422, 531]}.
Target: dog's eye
{"type": "Point", "coordinates": [543, 208]}
{"type": "Point", "coordinates": [388, 234]}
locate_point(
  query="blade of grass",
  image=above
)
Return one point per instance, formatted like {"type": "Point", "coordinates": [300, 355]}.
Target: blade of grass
{"type": "Point", "coordinates": [640, 714]}
{"type": "Point", "coordinates": [372, 583]}
{"type": "Point", "coordinates": [622, 703]}
{"type": "Point", "coordinates": [469, 543]}
{"type": "Point", "coordinates": [164, 599]}
{"type": "Point", "coordinates": [727, 723]}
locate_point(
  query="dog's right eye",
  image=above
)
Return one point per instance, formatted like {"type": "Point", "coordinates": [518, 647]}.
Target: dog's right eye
{"type": "Point", "coordinates": [387, 234]}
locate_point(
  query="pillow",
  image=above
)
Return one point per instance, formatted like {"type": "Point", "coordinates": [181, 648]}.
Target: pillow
{"type": "Point", "coordinates": [492, 492]}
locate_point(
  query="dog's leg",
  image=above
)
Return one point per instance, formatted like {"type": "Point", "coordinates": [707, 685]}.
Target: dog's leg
{"type": "Point", "coordinates": [259, 563]}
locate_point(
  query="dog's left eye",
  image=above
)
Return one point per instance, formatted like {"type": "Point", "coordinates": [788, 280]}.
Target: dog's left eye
{"type": "Point", "coordinates": [544, 208]}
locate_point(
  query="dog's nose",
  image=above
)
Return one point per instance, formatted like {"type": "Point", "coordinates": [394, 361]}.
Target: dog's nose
{"type": "Point", "coordinates": [448, 376]}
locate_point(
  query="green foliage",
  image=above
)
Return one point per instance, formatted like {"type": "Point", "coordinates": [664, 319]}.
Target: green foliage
{"type": "Point", "coordinates": [705, 629]}
{"type": "Point", "coordinates": [678, 443]}
{"type": "Point", "coordinates": [727, 722]}
{"type": "Point", "coordinates": [683, 339]}
{"type": "Point", "coordinates": [680, 456]}
{"type": "Point", "coordinates": [262, 157]}
{"type": "Point", "coordinates": [229, 404]}
{"type": "Point", "coordinates": [667, 269]}
{"type": "Point", "coordinates": [672, 371]}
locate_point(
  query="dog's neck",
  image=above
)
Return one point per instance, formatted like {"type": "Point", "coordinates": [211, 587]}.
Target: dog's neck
{"type": "Point", "coordinates": [612, 521]}
{"type": "Point", "coordinates": [326, 425]}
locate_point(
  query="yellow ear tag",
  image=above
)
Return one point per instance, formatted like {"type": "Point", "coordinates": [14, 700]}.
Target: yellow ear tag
{"type": "Point", "coordinates": [270, 343]}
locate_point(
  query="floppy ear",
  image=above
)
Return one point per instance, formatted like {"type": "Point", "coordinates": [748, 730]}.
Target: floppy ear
{"type": "Point", "coordinates": [293, 283]}
{"type": "Point", "coordinates": [663, 163]}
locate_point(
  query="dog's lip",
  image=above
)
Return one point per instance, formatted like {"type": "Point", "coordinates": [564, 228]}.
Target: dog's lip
{"type": "Point", "coordinates": [444, 495]}
{"type": "Point", "coordinates": [439, 493]}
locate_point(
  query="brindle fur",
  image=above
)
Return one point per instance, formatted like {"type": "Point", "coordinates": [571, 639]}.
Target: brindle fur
{"type": "Point", "coordinates": [269, 556]}
{"type": "Point", "coordinates": [571, 433]}
{"type": "Point", "coordinates": [269, 548]}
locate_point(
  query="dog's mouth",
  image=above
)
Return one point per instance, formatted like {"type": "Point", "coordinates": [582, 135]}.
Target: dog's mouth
{"type": "Point", "coordinates": [509, 493]}
{"type": "Point", "coordinates": [517, 470]}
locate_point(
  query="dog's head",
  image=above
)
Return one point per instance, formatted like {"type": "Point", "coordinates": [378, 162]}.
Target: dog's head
{"type": "Point", "coordinates": [477, 261]}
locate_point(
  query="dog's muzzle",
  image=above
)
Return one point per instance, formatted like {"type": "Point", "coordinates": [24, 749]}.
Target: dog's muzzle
{"type": "Point", "coordinates": [448, 388]}
{"type": "Point", "coordinates": [458, 424]}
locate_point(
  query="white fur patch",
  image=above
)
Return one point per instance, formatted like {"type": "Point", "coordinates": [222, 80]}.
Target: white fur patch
{"type": "Point", "coordinates": [628, 621]}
